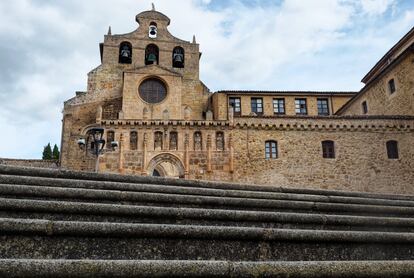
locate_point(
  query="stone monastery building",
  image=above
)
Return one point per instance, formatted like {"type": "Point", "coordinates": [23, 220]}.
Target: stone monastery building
{"type": "Point", "coordinates": [148, 98]}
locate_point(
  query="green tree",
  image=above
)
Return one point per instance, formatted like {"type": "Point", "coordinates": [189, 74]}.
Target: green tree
{"type": "Point", "coordinates": [47, 152]}
{"type": "Point", "coordinates": [55, 153]}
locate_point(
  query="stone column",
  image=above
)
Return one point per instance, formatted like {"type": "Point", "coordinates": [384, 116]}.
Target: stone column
{"type": "Point", "coordinates": [186, 155]}
{"type": "Point", "coordinates": [121, 154]}
{"type": "Point", "coordinates": [231, 159]}
{"type": "Point", "coordinates": [144, 155]}
{"type": "Point", "coordinates": [209, 153]}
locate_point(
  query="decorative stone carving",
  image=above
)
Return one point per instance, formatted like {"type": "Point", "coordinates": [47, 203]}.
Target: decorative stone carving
{"type": "Point", "coordinates": [173, 141]}
{"type": "Point", "coordinates": [198, 145]}
{"type": "Point", "coordinates": [158, 140]}
{"type": "Point", "coordinates": [220, 141]}
{"type": "Point", "coordinates": [133, 140]}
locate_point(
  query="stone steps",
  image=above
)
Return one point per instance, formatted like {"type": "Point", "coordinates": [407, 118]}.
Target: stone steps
{"type": "Point", "coordinates": [159, 268]}
{"type": "Point", "coordinates": [43, 239]}
{"type": "Point", "coordinates": [98, 212]}
{"type": "Point", "coordinates": [179, 200]}
{"type": "Point", "coordinates": [193, 190]}
{"type": "Point", "coordinates": [59, 219]}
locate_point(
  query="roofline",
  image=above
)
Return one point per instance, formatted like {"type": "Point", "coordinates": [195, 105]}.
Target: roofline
{"type": "Point", "coordinates": [388, 55]}
{"type": "Point", "coordinates": [409, 50]}
{"type": "Point", "coordinates": [234, 92]}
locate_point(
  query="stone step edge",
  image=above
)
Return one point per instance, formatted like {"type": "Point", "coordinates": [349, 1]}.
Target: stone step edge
{"type": "Point", "coordinates": [83, 208]}
{"type": "Point", "coordinates": [13, 227]}
{"type": "Point", "coordinates": [117, 195]}
{"type": "Point", "coordinates": [70, 174]}
{"type": "Point", "coordinates": [150, 268]}
{"type": "Point", "coordinates": [185, 190]}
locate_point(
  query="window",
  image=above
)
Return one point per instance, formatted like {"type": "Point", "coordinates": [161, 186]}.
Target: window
{"type": "Point", "coordinates": [235, 103]}
{"type": "Point", "coordinates": [152, 90]}
{"type": "Point", "coordinates": [364, 107]}
{"type": "Point", "coordinates": [133, 140]}
{"type": "Point", "coordinates": [151, 54]}
{"type": "Point", "coordinates": [278, 106]}
{"type": "Point", "coordinates": [270, 149]}
{"type": "Point", "coordinates": [391, 86]}
{"type": "Point", "coordinates": [392, 149]}
{"type": "Point", "coordinates": [328, 149]}
{"type": "Point", "coordinates": [125, 53]}
{"type": "Point", "coordinates": [323, 107]}
{"type": "Point", "coordinates": [178, 57]}
{"type": "Point", "coordinates": [257, 105]}
{"type": "Point", "coordinates": [110, 137]}
{"type": "Point", "coordinates": [300, 106]}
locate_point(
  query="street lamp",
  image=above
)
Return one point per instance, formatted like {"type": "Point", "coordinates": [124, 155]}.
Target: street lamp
{"type": "Point", "coordinates": [97, 143]}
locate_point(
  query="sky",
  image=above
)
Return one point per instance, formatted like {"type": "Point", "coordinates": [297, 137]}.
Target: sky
{"type": "Point", "coordinates": [48, 47]}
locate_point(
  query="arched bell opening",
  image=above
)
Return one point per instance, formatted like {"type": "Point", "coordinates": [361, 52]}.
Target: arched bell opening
{"type": "Point", "coordinates": [125, 53]}
{"type": "Point", "coordinates": [178, 57]}
{"type": "Point", "coordinates": [151, 54]}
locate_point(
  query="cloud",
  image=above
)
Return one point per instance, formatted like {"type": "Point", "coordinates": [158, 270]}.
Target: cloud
{"type": "Point", "coordinates": [47, 47]}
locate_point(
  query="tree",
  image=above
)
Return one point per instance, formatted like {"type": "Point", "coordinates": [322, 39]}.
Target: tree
{"type": "Point", "coordinates": [55, 153]}
{"type": "Point", "coordinates": [47, 152]}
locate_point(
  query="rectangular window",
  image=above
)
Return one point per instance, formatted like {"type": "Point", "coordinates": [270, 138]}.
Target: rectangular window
{"type": "Point", "coordinates": [391, 86]}
{"type": "Point", "coordinates": [364, 107]}
{"type": "Point", "coordinates": [323, 107]}
{"type": "Point", "coordinates": [257, 106]}
{"type": "Point", "coordinates": [300, 106]}
{"type": "Point", "coordinates": [278, 106]}
{"type": "Point", "coordinates": [236, 104]}
{"type": "Point", "coordinates": [270, 149]}
{"type": "Point", "coordinates": [328, 149]}
{"type": "Point", "coordinates": [392, 149]}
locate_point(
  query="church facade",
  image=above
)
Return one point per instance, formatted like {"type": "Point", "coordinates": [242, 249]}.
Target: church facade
{"type": "Point", "coordinates": [159, 119]}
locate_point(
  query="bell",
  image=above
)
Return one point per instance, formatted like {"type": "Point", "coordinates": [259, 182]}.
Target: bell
{"type": "Point", "coordinates": [178, 58]}
{"type": "Point", "coordinates": [152, 58]}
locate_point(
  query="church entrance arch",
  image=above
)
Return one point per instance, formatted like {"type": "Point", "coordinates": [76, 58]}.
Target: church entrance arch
{"type": "Point", "coordinates": [166, 165]}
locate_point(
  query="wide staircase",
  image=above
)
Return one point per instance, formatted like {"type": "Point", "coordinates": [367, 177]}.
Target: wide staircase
{"type": "Point", "coordinates": [56, 223]}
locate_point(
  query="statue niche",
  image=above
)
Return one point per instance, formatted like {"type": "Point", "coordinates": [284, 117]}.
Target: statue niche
{"type": "Point", "coordinates": [158, 141]}
{"type": "Point", "coordinates": [198, 142]}
{"type": "Point", "coordinates": [173, 141]}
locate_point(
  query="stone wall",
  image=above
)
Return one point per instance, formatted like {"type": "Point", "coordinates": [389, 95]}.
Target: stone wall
{"type": "Point", "coordinates": [39, 163]}
{"type": "Point", "coordinates": [378, 97]}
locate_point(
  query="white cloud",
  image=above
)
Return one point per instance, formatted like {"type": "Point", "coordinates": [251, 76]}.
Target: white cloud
{"type": "Point", "coordinates": [376, 7]}
{"type": "Point", "coordinates": [47, 48]}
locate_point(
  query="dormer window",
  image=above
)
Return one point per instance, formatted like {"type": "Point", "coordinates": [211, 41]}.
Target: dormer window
{"type": "Point", "coordinates": [152, 32]}
{"type": "Point", "coordinates": [178, 57]}
{"type": "Point", "coordinates": [125, 53]}
{"type": "Point", "coordinates": [151, 54]}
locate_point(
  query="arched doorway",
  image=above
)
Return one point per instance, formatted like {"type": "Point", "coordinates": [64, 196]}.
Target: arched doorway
{"type": "Point", "coordinates": [166, 165]}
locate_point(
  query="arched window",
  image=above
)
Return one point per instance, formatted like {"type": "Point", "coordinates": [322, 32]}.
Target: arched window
{"type": "Point", "coordinates": [110, 137]}
{"type": "Point", "coordinates": [173, 141]}
{"type": "Point", "coordinates": [125, 53]}
{"type": "Point", "coordinates": [151, 54]}
{"type": "Point", "coordinates": [328, 149]}
{"type": "Point", "coordinates": [178, 57]}
{"type": "Point", "coordinates": [133, 140]}
{"type": "Point", "coordinates": [270, 149]}
{"type": "Point", "coordinates": [198, 141]}
{"type": "Point", "coordinates": [220, 141]}
{"type": "Point", "coordinates": [392, 149]}
{"type": "Point", "coordinates": [158, 140]}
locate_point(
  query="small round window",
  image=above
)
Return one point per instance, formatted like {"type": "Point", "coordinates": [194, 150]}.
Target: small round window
{"type": "Point", "coordinates": [152, 90]}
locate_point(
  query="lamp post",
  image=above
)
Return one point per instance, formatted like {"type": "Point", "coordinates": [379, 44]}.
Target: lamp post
{"type": "Point", "coordinates": [95, 144]}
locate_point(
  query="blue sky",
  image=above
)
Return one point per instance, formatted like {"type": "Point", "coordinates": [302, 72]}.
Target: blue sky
{"type": "Point", "coordinates": [48, 47]}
